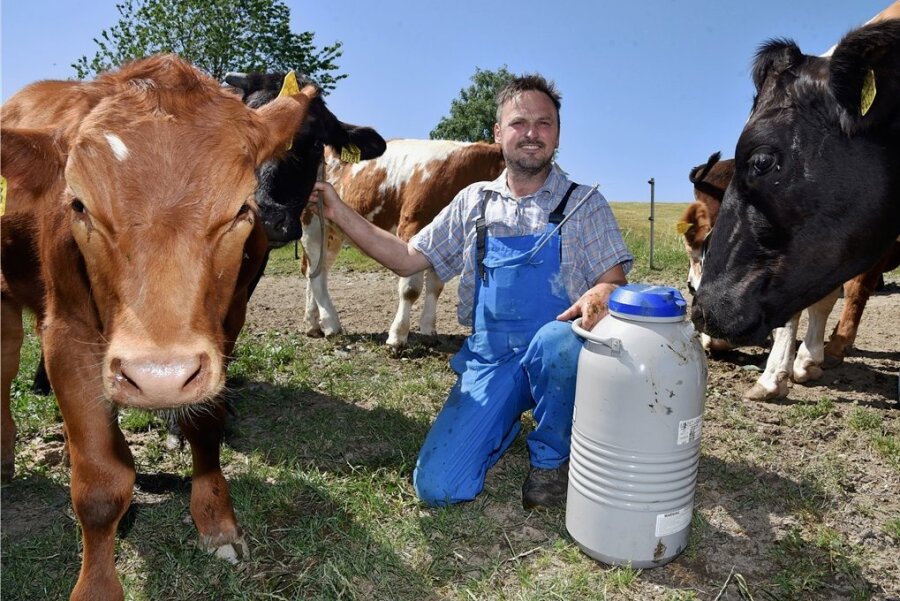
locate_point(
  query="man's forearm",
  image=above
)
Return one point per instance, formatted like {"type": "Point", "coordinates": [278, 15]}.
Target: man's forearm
{"type": "Point", "coordinates": [381, 245]}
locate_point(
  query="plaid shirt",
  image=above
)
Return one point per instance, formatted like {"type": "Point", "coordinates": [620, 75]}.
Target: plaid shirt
{"type": "Point", "coordinates": [591, 241]}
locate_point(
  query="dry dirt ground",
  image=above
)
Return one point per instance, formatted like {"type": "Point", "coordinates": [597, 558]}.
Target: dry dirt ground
{"type": "Point", "coordinates": [762, 443]}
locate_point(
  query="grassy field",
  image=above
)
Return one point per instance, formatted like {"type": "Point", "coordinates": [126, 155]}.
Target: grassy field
{"type": "Point", "coordinates": [319, 459]}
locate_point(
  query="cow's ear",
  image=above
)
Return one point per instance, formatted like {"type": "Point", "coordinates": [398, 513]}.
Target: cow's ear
{"type": "Point", "coordinates": [32, 159]}
{"type": "Point", "coordinates": [772, 59]}
{"type": "Point", "coordinates": [279, 121]}
{"type": "Point", "coordinates": [369, 141]}
{"type": "Point", "coordinates": [865, 76]}
{"type": "Point", "coordinates": [238, 80]}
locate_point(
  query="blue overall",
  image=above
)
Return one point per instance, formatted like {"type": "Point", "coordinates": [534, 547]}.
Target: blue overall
{"type": "Point", "coordinates": [518, 358]}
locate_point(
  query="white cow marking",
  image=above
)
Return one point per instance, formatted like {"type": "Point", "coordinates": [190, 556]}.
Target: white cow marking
{"type": "Point", "coordinates": [117, 145]}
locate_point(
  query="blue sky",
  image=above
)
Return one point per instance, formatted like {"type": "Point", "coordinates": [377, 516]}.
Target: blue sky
{"type": "Point", "coordinates": [650, 88]}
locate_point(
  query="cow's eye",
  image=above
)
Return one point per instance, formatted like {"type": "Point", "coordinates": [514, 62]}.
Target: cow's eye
{"type": "Point", "coordinates": [78, 206]}
{"type": "Point", "coordinates": [763, 162]}
{"type": "Point", "coordinates": [245, 208]}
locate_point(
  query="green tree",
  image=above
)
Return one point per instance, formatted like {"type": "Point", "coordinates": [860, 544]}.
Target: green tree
{"type": "Point", "coordinates": [473, 113]}
{"type": "Point", "coordinates": [217, 36]}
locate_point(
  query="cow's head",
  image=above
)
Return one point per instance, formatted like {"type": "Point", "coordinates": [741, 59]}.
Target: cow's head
{"type": "Point", "coordinates": [815, 198]}
{"type": "Point", "coordinates": [710, 181]}
{"type": "Point", "coordinates": [285, 184]}
{"type": "Point", "coordinates": [149, 227]}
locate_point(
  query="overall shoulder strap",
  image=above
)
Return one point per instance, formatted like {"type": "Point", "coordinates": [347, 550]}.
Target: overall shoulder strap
{"type": "Point", "coordinates": [557, 215]}
{"type": "Point", "coordinates": [480, 235]}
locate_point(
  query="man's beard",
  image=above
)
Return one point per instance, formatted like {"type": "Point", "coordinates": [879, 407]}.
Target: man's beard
{"type": "Point", "coordinates": [529, 165]}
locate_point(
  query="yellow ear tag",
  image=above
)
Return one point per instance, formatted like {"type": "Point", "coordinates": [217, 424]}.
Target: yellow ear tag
{"type": "Point", "coordinates": [290, 87]}
{"type": "Point", "coordinates": [868, 93]}
{"type": "Point", "coordinates": [2, 195]}
{"type": "Point", "coordinates": [682, 227]}
{"type": "Point", "coordinates": [350, 153]}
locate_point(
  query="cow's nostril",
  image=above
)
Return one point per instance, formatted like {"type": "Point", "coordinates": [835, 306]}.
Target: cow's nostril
{"type": "Point", "coordinates": [170, 379]}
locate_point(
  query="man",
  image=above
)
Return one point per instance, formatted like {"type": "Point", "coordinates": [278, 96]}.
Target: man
{"type": "Point", "coordinates": [521, 279]}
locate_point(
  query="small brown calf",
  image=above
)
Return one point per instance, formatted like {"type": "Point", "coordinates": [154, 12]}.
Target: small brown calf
{"type": "Point", "coordinates": [132, 233]}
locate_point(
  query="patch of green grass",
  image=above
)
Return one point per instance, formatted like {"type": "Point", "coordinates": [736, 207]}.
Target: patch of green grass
{"type": "Point", "coordinates": [873, 426]}
{"type": "Point", "coordinates": [810, 564]}
{"type": "Point", "coordinates": [892, 528]}
{"type": "Point", "coordinates": [32, 411]}
{"type": "Point", "coordinates": [286, 261]}
{"type": "Point", "coordinates": [136, 420]}
{"type": "Point", "coordinates": [670, 261]}
{"type": "Point", "coordinates": [806, 412]}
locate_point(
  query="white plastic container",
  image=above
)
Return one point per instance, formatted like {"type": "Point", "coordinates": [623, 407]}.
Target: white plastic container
{"type": "Point", "coordinates": [636, 429]}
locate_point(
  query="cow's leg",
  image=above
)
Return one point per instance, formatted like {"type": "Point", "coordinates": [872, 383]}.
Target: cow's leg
{"type": "Point", "coordinates": [433, 288]}
{"type": "Point", "coordinates": [12, 337]}
{"type": "Point", "coordinates": [856, 294]}
{"type": "Point", "coordinates": [773, 383]}
{"type": "Point", "coordinates": [321, 315]}
{"type": "Point", "coordinates": [211, 506]}
{"type": "Point", "coordinates": [408, 290]}
{"type": "Point", "coordinates": [102, 466]}
{"type": "Point", "coordinates": [810, 356]}
{"type": "Point", "coordinates": [102, 484]}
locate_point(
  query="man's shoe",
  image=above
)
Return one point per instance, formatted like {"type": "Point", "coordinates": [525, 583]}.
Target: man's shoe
{"type": "Point", "coordinates": [544, 489]}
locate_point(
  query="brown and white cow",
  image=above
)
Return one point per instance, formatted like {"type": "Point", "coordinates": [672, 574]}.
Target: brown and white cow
{"type": "Point", "coordinates": [784, 363]}
{"type": "Point", "coordinates": [132, 232]}
{"type": "Point", "coordinates": [400, 191]}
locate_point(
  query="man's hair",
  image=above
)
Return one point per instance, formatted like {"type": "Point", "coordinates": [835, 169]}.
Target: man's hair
{"type": "Point", "coordinates": [528, 83]}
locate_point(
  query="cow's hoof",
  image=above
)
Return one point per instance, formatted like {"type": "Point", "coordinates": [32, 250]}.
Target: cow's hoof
{"type": "Point", "coordinates": [396, 344]}
{"type": "Point", "coordinates": [233, 552]}
{"type": "Point", "coordinates": [807, 373]}
{"type": "Point", "coordinates": [315, 332]}
{"type": "Point", "coordinates": [832, 361]}
{"type": "Point", "coordinates": [396, 350]}
{"type": "Point", "coordinates": [758, 392]}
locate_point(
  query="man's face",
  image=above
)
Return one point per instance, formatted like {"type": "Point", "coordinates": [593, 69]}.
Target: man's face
{"type": "Point", "coordinates": [528, 132]}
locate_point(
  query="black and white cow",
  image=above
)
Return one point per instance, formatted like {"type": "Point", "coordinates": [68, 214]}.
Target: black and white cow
{"type": "Point", "coordinates": [815, 198]}
{"type": "Point", "coordinates": [285, 185]}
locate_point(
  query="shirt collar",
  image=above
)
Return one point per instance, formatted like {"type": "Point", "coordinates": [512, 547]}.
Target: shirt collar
{"type": "Point", "coordinates": [555, 184]}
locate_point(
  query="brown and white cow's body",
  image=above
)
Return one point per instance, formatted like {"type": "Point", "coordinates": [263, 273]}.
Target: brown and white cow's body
{"type": "Point", "coordinates": [784, 362]}
{"type": "Point", "coordinates": [400, 191]}
{"type": "Point", "coordinates": [132, 232]}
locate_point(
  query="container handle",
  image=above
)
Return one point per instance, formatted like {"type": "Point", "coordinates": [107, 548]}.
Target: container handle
{"type": "Point", "coordinates": [613, 344]}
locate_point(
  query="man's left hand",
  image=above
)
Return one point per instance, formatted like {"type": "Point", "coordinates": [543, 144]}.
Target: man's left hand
{"type": "Point", "coordinates": [592, 306]}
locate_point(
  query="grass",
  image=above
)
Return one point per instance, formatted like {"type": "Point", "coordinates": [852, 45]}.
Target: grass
{"type": "Point", "coordinates": [319, 460]}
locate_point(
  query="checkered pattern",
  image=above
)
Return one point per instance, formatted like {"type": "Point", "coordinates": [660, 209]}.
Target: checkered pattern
{"type": "Point", "coordinates": [591, 241]}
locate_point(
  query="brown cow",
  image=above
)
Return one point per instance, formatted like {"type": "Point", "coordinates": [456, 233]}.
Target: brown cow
{"type": "Point", "coordinates": [710, 181]}
{"type": "Point", "coordinates": [401, 191]}
{"type": "Point", "coordinates": [133, 234]}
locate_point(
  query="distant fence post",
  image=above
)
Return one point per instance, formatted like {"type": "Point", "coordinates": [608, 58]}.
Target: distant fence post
{"type": "Point", "coordinates": [652, 183]}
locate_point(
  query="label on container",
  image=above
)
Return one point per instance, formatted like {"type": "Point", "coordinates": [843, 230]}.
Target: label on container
{"type": "Point", "coordinates": [689, 430]}
{"type": "Point", "coordinates": [673, 521]}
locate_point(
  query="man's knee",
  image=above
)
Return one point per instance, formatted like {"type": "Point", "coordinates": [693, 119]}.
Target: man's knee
{"type": "Point", "coordinates": [437, 488]}
{"type": "Point", "coordinates": [556, 339]}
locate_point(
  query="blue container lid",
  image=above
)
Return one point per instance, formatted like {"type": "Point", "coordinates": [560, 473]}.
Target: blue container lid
{"type": "Point", "coordinates": [647, 301]}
